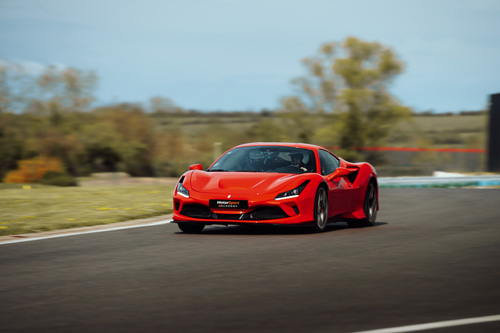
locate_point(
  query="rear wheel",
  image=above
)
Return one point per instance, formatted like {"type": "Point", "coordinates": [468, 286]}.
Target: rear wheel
{"type": "Point", "coordinates": [370, 206]}
{"type": "Point", "coordinates": [320, 210]}
{"type": "Point", "coordinates": [191, 228]}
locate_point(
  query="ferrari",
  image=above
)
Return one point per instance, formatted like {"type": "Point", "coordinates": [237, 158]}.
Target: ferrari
{"type": "Point", "coordinates": [276, 184]}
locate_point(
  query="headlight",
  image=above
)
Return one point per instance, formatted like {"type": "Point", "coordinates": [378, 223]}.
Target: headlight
{"type": "Point", "coordinates": [292, 193]}
{"type": "Point", "coordinates": [182, 190]}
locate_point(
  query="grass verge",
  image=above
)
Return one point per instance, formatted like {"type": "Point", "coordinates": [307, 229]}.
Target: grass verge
{"type": "Point", "coordinates": [38, 208]}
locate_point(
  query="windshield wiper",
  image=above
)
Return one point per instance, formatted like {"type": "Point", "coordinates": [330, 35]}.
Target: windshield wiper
{"type": "Point", "coordinates": [218, 170]}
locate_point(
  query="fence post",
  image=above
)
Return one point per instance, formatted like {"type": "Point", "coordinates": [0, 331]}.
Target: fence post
{"type": "Point", "coordinates": [217, 150]}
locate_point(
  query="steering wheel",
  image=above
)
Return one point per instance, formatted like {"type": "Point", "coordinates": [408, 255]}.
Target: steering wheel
{"type": "Point", "coordinates": [294, 168]}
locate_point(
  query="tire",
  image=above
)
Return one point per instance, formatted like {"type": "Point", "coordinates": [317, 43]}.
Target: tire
{"type": "Point", "coordinates": [191, 228]}
{"type": "Point", "coordinates": [370, 205]}
{"type": "Point", "coordinates": [320, 210]}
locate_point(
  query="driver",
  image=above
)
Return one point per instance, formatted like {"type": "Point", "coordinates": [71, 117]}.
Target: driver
{"type": "Point", "coordinates": [256, 160]}
{"type": "Point", "coordinates": [297, 161]}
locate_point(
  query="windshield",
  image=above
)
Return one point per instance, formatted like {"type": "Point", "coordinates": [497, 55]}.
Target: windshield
{"type": "Point", "coordinates": [267, 159]}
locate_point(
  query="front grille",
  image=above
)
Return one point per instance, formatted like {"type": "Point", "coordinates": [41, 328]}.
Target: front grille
{"type": "Point", "coordinates": [262, 213]}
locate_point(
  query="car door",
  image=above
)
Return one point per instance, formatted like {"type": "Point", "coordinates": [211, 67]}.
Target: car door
{"type": "Point", "coordinates": [339, 189]}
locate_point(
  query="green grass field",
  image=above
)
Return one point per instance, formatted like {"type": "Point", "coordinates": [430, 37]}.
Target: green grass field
{"type": "Point", "coordinates": [43, 208]}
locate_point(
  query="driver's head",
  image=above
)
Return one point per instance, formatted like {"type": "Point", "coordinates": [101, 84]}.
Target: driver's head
{"type": "Point", "coordinates": [296, 158]}
{"type": "Point", "coordinates": [255, 157]}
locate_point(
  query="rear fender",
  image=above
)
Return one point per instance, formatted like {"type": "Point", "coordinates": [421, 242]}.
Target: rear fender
{"type": "Point", "coordinates": [366, 174]}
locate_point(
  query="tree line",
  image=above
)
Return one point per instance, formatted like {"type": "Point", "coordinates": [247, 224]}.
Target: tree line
{"type": "Point", "coordinates": [342, 100]}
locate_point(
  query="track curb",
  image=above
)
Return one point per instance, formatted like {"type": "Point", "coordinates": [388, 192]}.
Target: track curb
{"type": "Point", "coordinates": [87, 229]}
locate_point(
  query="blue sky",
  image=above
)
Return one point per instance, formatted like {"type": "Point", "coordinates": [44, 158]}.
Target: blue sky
{"type": "Point", "coordinates": [241, 55]}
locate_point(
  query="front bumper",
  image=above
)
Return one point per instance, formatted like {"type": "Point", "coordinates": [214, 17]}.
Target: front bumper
{"type": "Point", "coordinates": [261, 210]}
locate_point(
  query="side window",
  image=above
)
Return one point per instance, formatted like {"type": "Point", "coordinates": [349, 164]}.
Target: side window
{"type": "Point", "coordinates": [328, 162]}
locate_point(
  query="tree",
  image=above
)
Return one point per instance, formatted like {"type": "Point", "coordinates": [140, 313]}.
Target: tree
{"type": "Point", "coordinates": [70, 87]}
{"type": "Point", "coordinates": [351, 81]}
{"type": "Point", "coordinates": [17, 87]}
{"type": "Point", "coordinates": [11, 143]}
{"type": "Point", "coordinates": [121, 137]}
{"type": "Point", "coordinates": [163, 105]}
{"type": "Point", "coordinates": [54, 90]}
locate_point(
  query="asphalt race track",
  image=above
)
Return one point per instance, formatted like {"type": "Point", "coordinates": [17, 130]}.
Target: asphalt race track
{"type": "Point", "coordinates": [433, 256]}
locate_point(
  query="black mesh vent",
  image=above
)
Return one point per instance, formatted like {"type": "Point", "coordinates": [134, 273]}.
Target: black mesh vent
{"type": "Point", "coordinates": [196, 211]}
{"type": "Point", "coordinates": [267, 213]}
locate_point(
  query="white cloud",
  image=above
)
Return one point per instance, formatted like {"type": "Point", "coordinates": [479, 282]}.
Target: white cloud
{"type": "Point", "coordinates": [32, 68]}
{"type": "Point", "coordinates": [28, 67]}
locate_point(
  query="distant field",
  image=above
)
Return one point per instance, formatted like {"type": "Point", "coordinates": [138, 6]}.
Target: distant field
{"type": "Point", "coordinates": [455, 130]}
{"type": "Point", "coordinates": [44, 208]}
{"type": "Point", "coordinates": [190, 124]}
{"type": "Point", "coordinates": [467, 131]}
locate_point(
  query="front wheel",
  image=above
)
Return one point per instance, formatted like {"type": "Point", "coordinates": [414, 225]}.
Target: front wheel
{"type": "Point", "coordinates": [320, 210]}
{"type": "Point", "coordinates": [370, 206]}
{"type": "Point", "coordinates": [191, 228]}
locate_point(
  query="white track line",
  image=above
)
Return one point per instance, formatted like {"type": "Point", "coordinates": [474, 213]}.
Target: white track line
{"type": "Point", "coordinates": [440, 324]}
{"type": "Point", "coordinates": [86, 232]}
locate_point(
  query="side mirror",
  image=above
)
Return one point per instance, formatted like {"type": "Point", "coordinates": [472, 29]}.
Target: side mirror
{"type": "Point", "coordinates": [339, 172]}
{"type": "Point", "coordinates": [195, 167]}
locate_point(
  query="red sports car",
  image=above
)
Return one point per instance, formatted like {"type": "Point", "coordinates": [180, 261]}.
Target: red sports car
{"type": "Point", "coordinates": [277, 184]}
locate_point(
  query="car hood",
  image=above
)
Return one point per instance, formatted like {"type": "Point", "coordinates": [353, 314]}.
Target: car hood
{"type": "Point", "coordinates": [243, 182]}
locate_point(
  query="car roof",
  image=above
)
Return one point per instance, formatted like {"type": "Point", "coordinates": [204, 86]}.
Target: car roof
{"type": "Point", "coordinates": [280, 144]}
